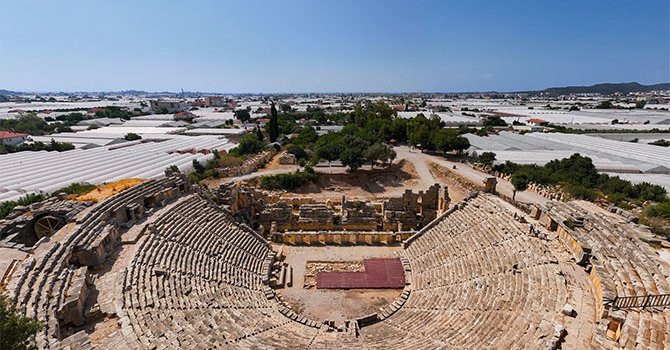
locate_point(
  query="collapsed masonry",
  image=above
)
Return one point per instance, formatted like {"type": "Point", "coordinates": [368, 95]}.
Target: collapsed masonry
{"type": "Point", "coordinates": [305, 221]}
{"type": "Point", "coordinates": [249, 166]}
{"type": "Point", "coordinates": [26, 225]}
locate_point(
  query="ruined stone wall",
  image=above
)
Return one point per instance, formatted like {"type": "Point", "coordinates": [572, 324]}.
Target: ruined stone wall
{"type": "Point", "coordinates": [249, 166]}
{"type": "Point", "coordinates": [341, 238]}
{"type": "Point", "coordinates": [71, 309]}
{"type": "Point", "coordinates": [410, 211]}
{"type": "Point", "coordinates": [359, 216]}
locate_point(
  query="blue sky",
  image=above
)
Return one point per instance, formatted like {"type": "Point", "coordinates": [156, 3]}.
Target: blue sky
{"type": "Point", "coordinates": [324, 45]}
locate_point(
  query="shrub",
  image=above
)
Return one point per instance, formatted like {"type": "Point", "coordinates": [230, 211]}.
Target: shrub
{"type": "Point", "coordinates": [288, 181]}
{"type": "Point", "coordinates": [662, 143]}
{"type": "Point", "coordinates": [16, 330]}
{"type": "Point", "coordinates": [75, 188]}
{"type": "Point", "coordinates": [132, 136]}
{"type": "Point", "coordinates": [7, 206]}
{"type": "Point", "coordinates": [487, 158]}
{"type": "Point", "coordinates": [228, 160]}
{"type": "Point", "coordinates": [660, 210]}
{"type": "Point", "coordinates": [249, 144]}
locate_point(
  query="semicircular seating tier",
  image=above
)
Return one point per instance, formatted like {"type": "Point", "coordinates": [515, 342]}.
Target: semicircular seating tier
{"type": "Point", "coordinates": [198, 279]}
{"type": "Point", "coordinates": [46, 285]}
{"type": "Point", "coordinates": [620, 265]}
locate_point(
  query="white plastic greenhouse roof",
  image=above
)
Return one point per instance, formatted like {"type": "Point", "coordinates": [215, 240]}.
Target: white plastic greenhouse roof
{"type": "Point", "coordinates": [608, 155]}
{"type": "Point", "coordinates": [542, 157]}
{"type": "Point", "coordinates": [649, 158]}
{"type": "Point", "coordinates": [28, 172]}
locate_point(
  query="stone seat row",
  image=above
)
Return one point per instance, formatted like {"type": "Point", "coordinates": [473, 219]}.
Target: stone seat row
{"type": "Point", "coordinates": [213, 286]}
{"type": "Point", "coordinates": [38, 287]}
{"type": "Point", "coordinates": [478, 263]}
{"type": "Point", "coordinates": [629, 267]}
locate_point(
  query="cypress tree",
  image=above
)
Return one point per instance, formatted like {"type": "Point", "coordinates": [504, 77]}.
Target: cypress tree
{"type": "Point", "coordinates": [273, 128]}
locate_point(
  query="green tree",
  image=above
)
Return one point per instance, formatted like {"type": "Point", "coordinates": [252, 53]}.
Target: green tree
{"type": "Point", "coordinates": [298, 151]}
{"type": "Point", "coordinates": [420, 136]}
{"type": "Point", "coordinates": [374, 153]}
{"type": "Point", "coordinates": [399, 129]}
{"type": "Point", "coordinates": [494, 121]}
{"type": "Point", "coordinates": [306, 136]}
{"type": "Point", "coordinates": [605, 105]}
{"type": "Point", "coordinates": [487, 158]}
{"type": "Point", "coordinates": [16, 330]}
{"type": "Point", "coordinates": [27, 123]}
{"type": "Point", "coordinates": [447, 140]}
{"type": "Point", "coordinates": [520, 182]}
{"type": "Point", "coordinates": [243, 115]}
{"type": "Point", "coordinates": [132, 136]}
{"type": "Point", "coordinates": [420, 131]}
{"type": "Point", "coordinates": [273, 126]}
{"type": "Point", "coordinates": [249, 144]}
{"type": "Point", "coordinates": [353, 154]}
{"type": "Point", "coordinates": [330, 146]}
{"type": "Point", "coordinates": [259, 134]}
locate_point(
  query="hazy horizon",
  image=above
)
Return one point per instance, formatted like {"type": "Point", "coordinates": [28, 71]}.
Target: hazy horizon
{"type": "Point", "coordinates": [306, 92]}
{"type": "Point", "coordinates": [330, 47]}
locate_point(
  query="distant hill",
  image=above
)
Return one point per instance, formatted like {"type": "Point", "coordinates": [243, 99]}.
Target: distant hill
{"type": "Point", "coordinates": [605, 89]}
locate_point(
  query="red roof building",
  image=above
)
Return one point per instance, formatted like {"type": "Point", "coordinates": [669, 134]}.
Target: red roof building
{"type": "Point", "coordinates": [537, 122]}
{"type": "Point", "coordinates": [12, 138]}
{"type": "Point", "coordinates": [9, 134]}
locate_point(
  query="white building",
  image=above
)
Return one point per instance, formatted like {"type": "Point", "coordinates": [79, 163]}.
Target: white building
{"type": "Point", "coordinates": [12, 138]}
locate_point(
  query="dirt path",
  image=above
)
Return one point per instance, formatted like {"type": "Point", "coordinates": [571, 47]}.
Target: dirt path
{"type": "Point", "coordinates": [422, 162]}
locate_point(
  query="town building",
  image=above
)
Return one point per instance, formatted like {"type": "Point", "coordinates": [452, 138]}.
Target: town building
{"type": "Point", "coordinates": [168, 106]}
{"type": "Point", "coordinates": [12, 138]}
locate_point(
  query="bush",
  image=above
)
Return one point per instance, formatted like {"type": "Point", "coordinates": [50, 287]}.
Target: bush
{"type": "Point", "coordinates": [249, 144]}
{"type": "Point", "coordinates": [7, 206]}
{"type": "Point", "coordinates": [75, 188]}
{"type": "Point", "coordinates": [578, 176]}
{"type": "Point", "coordinates": [288, 181]}
{"type": "Point", "coordinates": [229, 160]}
{"type": "Point", "coordinates": [132, 136]}
{"type": "Point", "coordinates": [660, 210]}
{"type": "Point", "coordinates": [298, 151]}
{"type": "Point", "coordinates": [487, 158]}
{"type": "Point", "coordinates": [580, 192]}
{"type": "Point", "coordinates": [662, 143]}
{"type": "Point", "coordinates": [16, 330]}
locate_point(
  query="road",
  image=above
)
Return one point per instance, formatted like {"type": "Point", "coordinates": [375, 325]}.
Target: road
{"type": "Point", "coordinates": [422, 162]}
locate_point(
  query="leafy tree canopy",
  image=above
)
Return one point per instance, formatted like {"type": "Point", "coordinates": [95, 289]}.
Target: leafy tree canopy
{"type": "Point", "coordinates": [16, 330]}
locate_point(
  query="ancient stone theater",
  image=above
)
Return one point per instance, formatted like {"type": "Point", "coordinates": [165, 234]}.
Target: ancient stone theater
{"type": "Point", "coordinates": [166, 265]}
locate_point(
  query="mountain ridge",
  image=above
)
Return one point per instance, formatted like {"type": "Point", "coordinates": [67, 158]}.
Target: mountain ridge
{"type": "Point", "coordinates": [601, 88]}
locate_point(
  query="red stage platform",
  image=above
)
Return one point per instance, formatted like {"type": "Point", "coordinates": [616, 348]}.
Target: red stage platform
{"type": "Point", "coordinates": [378, 274]}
